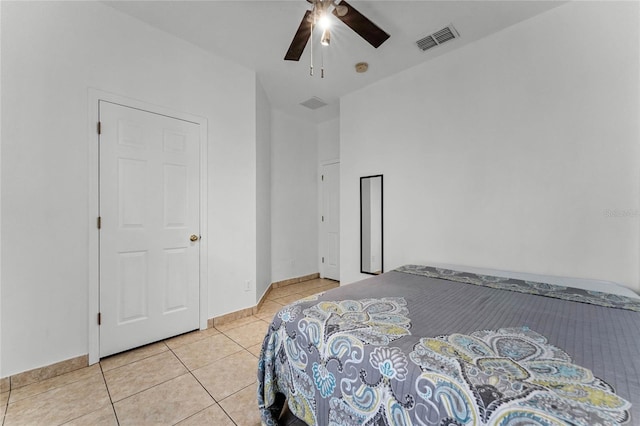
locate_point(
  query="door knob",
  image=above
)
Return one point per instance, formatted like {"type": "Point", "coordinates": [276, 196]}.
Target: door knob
{"type": "Point", "coordinates": [194, 237]}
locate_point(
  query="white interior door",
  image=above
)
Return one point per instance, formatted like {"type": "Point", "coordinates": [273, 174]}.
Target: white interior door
{"type": "Point", "coordinates": [330, 224]}
{"type": "Point", "coordinates": [149, 211]}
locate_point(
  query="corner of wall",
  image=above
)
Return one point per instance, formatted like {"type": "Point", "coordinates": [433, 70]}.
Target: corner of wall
{"type": "Point", "coordinates": [263, 192]}
{"type": "Point", "coordinates": [1, 26]}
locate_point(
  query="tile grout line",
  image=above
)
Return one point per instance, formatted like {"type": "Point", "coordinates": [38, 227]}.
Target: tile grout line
{"type": "Point", "coordinates": [115, 413]}
{"type": "Point", "coordinates": [217, 360]}
{"type": "Point", "coordinates": [257, 318]}
{"type": "Point", "coordinates": [189, 343]}
{"type": "Point", "coordinates": [236, 392]}
{"type": "Point", "coordinates": [146, 389]}
{"type": "Point", "coordinates": [81, 415]}
{"type": "Point", "coordinates": [39, 394]}
{"type": "Point", "coordinates": [215, 401]}
{"type": "Point", "coordinates": [133, 349]}
{"type": "Point", "coordinates": [6, 408]}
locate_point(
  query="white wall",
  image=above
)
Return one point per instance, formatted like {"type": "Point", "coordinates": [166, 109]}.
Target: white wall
{"type": "Point", "coordinates": [508, 152]}
{"type": "Point", "coordinates": [263, 189]}
{"type": "Point", "coordinates": [52, 53]}
{"type": "Point", "coordinates": [294, 197]}
{"type": "Point", "coordinates": [328, 140]}
{"type": "Point", "coordinates": [1, 375]}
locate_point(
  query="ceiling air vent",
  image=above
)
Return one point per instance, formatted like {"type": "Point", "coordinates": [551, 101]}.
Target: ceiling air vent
{"type": "Point", "coordinates": [313, 103]}
{"type": "Point", "coordinates": [437, 38]}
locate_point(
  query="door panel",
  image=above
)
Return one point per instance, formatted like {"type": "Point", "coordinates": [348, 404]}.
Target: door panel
{"type": "Point", "coordinates": [175, 200]}
{"type": "Point", "coordinates": [131, 191]}
{"type": "Point", "coordinates": [149, 206]}
{"type": "Point", "coordinates": [333, 244]}
{"type": "Point", "coordinates": [132, 286]}
{"type": "Point", "coordinates": [177, 265]}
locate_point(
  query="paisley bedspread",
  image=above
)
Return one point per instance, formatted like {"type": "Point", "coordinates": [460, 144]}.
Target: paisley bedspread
{"type": "Point", "coordinates": [343, 362]}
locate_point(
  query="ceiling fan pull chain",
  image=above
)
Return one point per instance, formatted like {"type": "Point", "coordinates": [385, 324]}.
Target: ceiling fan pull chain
{"type": "Point", "coordinates": [321, 62]}
{"type": "Point", "coordinates": [311, 62]}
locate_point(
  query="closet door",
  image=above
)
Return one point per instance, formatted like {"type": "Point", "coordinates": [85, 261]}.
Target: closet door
{"type": "Point", "coordinates": [330, 222]}
{"type": "Point", "coordinates": [149, 231]}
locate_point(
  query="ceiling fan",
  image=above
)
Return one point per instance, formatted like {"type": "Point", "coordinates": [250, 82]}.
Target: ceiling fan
{"type": "Point", "coordinates": [343, 11]}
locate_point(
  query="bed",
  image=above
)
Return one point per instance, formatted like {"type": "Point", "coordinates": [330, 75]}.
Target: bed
{"type": "Point", "coordinates": [436, 345]}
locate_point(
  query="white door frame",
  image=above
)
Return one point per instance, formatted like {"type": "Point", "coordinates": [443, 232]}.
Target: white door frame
{"type": "Point", "coordinates": [320, 211]}
{"type": "Point", "coordinates": [95, 96]}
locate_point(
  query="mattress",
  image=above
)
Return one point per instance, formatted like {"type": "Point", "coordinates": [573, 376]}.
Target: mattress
{"type": "Point", "coordinates": [434, 346]}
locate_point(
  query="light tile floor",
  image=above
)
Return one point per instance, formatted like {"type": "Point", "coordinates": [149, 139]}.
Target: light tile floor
{"type": "Point", "coordinates": [198, 378]}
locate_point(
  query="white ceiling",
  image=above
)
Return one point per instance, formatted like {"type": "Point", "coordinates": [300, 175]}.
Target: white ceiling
{"type": "Point", "coordinates": [257, 34]}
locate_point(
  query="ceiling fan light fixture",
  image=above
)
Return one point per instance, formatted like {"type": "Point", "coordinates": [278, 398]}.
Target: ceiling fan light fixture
{"type": "Point", "coordinates": [326, 37]}
{"type": "Point", "coordinates": [347, 14]}
{"type": "Point", "coordinates": [341, 10]}
{"type": "Point", "coordinates": [324, 21]}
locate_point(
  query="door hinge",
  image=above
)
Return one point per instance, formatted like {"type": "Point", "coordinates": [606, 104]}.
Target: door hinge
{"type": "Point", "coordinates": [323, 260]}
{"type": "Point", "coordinates": [99, 128]}
{"type": "Point", "coordinates": [99, 318]}
{"type": "Point", "coordinates": [99, 222]}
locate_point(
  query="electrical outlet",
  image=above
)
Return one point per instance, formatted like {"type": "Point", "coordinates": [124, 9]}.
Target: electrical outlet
{"type": "Point", "coordinates": [247, 286]}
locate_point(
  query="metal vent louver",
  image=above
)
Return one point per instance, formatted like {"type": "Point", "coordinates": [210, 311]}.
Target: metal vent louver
{"type": "Point", "coordinates": [437, 38]}
{"type": "Point", "coordinates": [313, 103]}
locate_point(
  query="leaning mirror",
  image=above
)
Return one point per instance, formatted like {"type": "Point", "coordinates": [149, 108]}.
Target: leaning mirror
{"type": "Point", "coordinates": [371, 225]}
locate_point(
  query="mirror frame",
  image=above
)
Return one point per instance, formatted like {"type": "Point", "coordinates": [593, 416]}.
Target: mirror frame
{"type": "Point", "coordinates": [381, 226]}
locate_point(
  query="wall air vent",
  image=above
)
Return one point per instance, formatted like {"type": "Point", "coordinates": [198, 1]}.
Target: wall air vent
{"type": "Point", "coordinates": [437, 38]}
{"type": "Point", "coordinates": [313, 103]}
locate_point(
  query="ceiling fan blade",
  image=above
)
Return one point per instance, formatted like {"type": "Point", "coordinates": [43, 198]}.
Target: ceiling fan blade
{"type": "Point", "coordinates": [362, 25]}
{"type": "Point", "coordinates": [300, 39]}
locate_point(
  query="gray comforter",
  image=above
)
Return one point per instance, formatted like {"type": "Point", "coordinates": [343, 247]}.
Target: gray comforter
{"type": "Point", "coordinates": [431, 346]}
